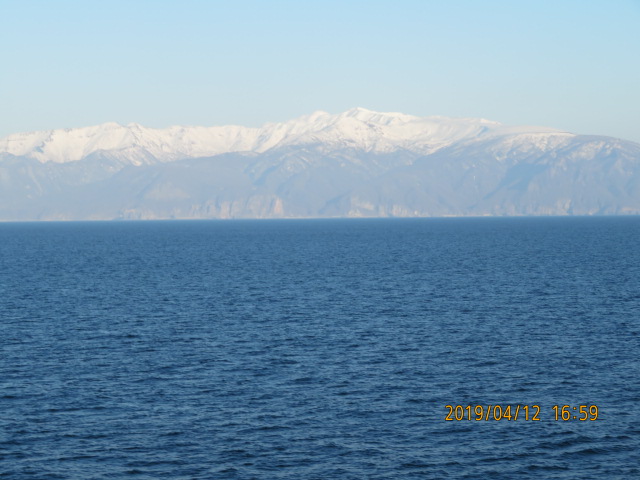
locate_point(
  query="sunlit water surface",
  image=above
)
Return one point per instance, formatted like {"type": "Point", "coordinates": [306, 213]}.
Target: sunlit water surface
{"type": "Point", "coordinates": [322, 349]}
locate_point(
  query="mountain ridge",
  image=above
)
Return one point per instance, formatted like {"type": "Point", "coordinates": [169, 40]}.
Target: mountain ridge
{"type": "Point", "coordinates": [359, 127]}
{"type": "Point", "coordinates": [358, 163]}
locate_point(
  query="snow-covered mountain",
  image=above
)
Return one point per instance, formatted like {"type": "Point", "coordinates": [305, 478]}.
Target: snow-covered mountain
{"type": "Point", "coordinates": [356, 163]}
{"type": "Point", "coordinates": [356, 128]}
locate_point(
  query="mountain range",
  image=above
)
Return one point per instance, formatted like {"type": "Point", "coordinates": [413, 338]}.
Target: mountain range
{"type": "Point", "coordinates": [358, 163]}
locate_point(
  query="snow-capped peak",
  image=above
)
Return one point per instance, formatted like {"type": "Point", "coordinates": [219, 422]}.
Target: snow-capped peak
{"type": "Point", "coordinates": [357, 128]}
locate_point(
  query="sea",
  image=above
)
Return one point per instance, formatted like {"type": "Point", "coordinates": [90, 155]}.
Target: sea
{"type": "Point", "coordinates": [321, 349]}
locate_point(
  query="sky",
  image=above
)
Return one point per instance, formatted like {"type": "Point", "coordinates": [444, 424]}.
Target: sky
{"type": "Point", "coordinates": [568, 64]}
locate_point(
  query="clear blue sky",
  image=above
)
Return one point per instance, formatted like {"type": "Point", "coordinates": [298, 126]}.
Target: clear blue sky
{"type": "Point", "coordinates": [570, 64]}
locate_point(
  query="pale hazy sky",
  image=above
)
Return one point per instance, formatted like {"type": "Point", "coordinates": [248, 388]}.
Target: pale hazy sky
{"type": "Point", "coordinates": [569, 64]}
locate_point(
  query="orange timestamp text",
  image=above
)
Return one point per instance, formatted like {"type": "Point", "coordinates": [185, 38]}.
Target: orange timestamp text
{"type": "Point", "coordinates": [527, 413]}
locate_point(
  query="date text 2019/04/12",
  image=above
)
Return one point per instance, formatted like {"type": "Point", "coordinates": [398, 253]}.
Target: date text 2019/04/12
{"type": "Point", "coordinates": [528, 413]}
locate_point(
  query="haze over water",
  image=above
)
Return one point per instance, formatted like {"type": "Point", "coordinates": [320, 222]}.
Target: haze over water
{"type": "Point", "coordinates": [318, 349]}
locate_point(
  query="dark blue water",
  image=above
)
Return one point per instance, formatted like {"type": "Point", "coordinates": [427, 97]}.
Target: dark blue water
{"type": "Point", "coordinates": [318, 349]}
